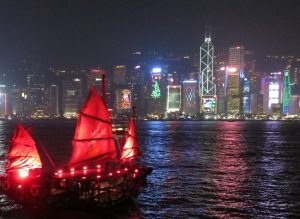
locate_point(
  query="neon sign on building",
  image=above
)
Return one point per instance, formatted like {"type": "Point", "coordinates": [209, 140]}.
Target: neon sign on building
{"type": "Point", "coordinates": [208, 104]}
{"type": "Point", "coordinates": [126, 99]}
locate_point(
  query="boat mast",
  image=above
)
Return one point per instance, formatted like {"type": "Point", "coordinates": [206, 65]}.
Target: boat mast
{"type": "Point", "coordinates": [104, 87]}
{"type": "Point", "coordinates": [104, 100]}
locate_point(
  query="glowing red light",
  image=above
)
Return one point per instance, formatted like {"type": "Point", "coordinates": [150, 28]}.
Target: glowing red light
{"type": "Point", "coordinates": [98, 177]}
{"type": "Point", "coordinates": [60, 171]}
{"type": "Point", "coordinates": [72, 173]}
{"type": "Point", "coordinates": [55, 174]}
{"type": "Point", "coordinates": [83, 177]}
{"type": "Point", "coordinates": [118, 171]}
{"type": "Point", "coordinates": [126, 169]}
{"type": "Point", "coordinates": [110, 174]}
{"type": "Point", "coordinates": [98, 166]}
{"type": "Point", "coordinates": [20, 186]}
{"type": "Point", "coordinates": [134, 175]}
{"type": "Point", "coordinates": [95, 70]}
{"type": "Point", "coordinates": [23, 173]}
{"type": "Point", "coordinates": [85, 167]}
{"type": "Point", "coordinates": [72, 169]}
{"type": "Point", "coordinates": [84, 171]}
{"type": "Point", "coordinates": [136, 170]}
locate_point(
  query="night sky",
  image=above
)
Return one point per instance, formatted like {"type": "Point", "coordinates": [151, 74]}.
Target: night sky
{"type": "Point", "coordinates": [79, 33]}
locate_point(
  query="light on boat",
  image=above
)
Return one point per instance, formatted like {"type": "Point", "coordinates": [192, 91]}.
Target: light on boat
{"type": "Point", "coordinates": [60, 171]}
{"type": "Point", "coordinates": [72, 172]}
{"type": "Point", "coordinates": [84, 171]}
{"type": "Point", "coordinates": [20, 186]}
{"type": "Point", "coordinates": [56, 174]}
{"type": "Point", "coordinates": [98, 176]}
{"type": "Point", "coordinates": [72, 169]}
{"type": "Point", "coordinates": [83, 177]}
{"type": "Point", "coordinates": [126, 169]}
{"type": "Point", "coordinates": [136, 170]}
{"type": "Point", "coordinates": [118, 171]}
{"type": "Point", "coordinates": [85, 167]}
{"type": "Point", "coordinates": [23, 173]}
{"type": "Point", "coordinates": [98, 166]}
{"type": "Point", "coordinates": [110, 174]}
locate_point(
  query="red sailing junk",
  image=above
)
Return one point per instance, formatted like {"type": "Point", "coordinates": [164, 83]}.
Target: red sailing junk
{"type": "Point", "coordinates": [130, 149]}
{"type": "Point", "coordinates": [93, 140]}
{"type": "Point", "coordinates": [98, 172]}
{"type": "Point", "coordinates": [21, 180]}
{"type": "Point", "coordinates": [23, 154]}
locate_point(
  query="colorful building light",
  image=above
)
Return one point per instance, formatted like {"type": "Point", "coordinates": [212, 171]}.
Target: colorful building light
{"type": "Point", "coordinates": [156, 70]}
{"type": "Point", "coordinates": [174, 98]}
{"type": "Point", "coordinates": [286, 91]}
{"type": "Point", "coordinates": [190, 97]}
{"type": "Point", "coordinates": [208, 104]}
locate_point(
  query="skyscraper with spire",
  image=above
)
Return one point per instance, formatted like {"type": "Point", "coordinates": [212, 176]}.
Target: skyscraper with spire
{"type": "Point", "coordinates": [207, 87]}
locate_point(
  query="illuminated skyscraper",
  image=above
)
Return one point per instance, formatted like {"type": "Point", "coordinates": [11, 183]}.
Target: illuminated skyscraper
{"type": "Point", "coordinates": [236, 57]}
{"type": "Point", "coordinates": [207, 88]}
{"type": "Point", "coordinates": [286, 91]}
{"type": "Point", "coordinates": [120, 72]}
{"type": "Point", "coordinates": [156, 103]}
{"type": "Point", "coordinates": [94, 78]}
{"type": "Point", "coordinates": [173, 98]}
{"type": "Point", "coordinates": [124, 101]}
{"type": "Point", "coordinates": [3, 101]}
{"type": "Point", "coordinates": [137, 84]}
{"type": "Point", "coordinates": [273, 93]}
{"type": "Point", "coordinates": [233, 91]}
{"type": "Point", "coordinates": [190, 97]}
{"type": "Point", "coordinates": [53, 102]}
{"type": "Point", "coordinates": [246, 96]}
{"type": "Point", "coordinates": [15, 101]}
{"type": "Point", "coordinates": [71, 97]}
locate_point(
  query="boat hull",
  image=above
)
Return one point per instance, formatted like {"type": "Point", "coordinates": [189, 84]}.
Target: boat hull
{"type": "Point", "coordinates": [75, 192]}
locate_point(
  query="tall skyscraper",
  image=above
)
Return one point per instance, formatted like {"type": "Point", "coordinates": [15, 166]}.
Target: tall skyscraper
{"type": "Point", "coordinates": [173, 98]}
{"type": "Point", "coordinates": [273, 93]}
{"type": "Point", "coordinates": [94, 78]}
{"type": "Point", "coordinates": [233, 91]}
{"type": "Point", "coordinates": [286, 91]}
{"type": "Point", "coordinates": [156, 104]}
{"type": "Point", "coordinates": [246, 96]}
{"type": "Point", "coordinates": [137, 86]}
{"type": "Point", "coordinates": [120, 73]}
{"type": "Point", "coordinates": [236, 57]}
{"type": "Point", "coordinates": [190, 97]}
{"type": "Point", "coordinates": [71, 97]}
{"type": "Point", "coordinates": [53, 102]}
{"type": "Point", "coordinates": [123, 100]}
{"type": "Point", "coordinates": [15, 101]}
{"type": "Point", "coordinates": [3, 101]}
{"type": "Point", "coordinates": [207, 87]}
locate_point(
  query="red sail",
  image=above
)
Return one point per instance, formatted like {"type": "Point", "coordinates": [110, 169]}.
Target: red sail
{"type": "Point", "coordinates": [130, 148]}
{"type": "Point", "coordinates": [23, 153]}
{"type": "Point", "coordinates": [93, 140]}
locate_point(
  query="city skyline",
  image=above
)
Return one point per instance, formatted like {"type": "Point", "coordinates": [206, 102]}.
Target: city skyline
{"type": "Point", "coordinates": [77, 33]}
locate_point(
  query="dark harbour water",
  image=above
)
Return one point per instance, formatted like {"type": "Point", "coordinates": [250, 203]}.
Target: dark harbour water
{"type": "Point", "coordinates": [202, 169]}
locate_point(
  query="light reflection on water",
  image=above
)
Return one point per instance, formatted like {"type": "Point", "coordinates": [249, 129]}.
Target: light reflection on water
{"type": "Point", "coordinates": [201, 169]}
